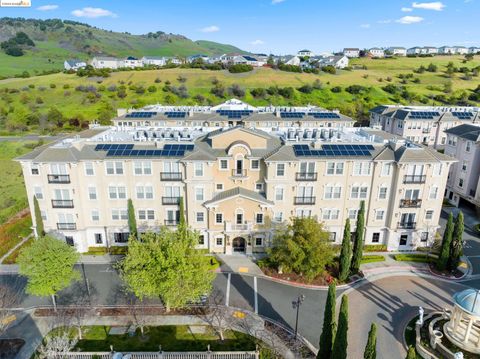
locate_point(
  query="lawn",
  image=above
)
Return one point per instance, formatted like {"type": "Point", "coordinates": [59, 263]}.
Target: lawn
{"type": "Point", "coordinates": [12, 258]}
{"type": "Point", "coordinates": [171, 338]}
{"type": "Point", "coordinates": [12, 232]}
{"type": "Point", "coordinates": [372, 259]}
{"type": "Point", "coordinates": [420, 258]}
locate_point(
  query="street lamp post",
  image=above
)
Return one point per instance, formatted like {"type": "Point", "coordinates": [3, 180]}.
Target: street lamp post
{"type": "Point", "coordinates": [296, 305]}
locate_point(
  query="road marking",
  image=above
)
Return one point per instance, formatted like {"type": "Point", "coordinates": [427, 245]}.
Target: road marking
{"type": "Point", "coordinates": [243, 269]}
{"type": "Point", "coordinates": [227, 295]}
{"type": "Point", "coordinates": [256, 294]}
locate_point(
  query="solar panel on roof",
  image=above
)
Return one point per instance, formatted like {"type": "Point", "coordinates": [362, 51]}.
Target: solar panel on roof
{"type": "Point", "coordinates": [333, 150]}
{"type": "Point", "coordinates": [324, 115]}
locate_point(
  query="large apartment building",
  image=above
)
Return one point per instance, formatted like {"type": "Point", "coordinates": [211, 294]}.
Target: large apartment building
{"type": "Point", "coordinates": [422, 124]}
{"type": "Point", "coordinates": [463, 143]}
{"type": "Point", "coordinates": [238, 182]}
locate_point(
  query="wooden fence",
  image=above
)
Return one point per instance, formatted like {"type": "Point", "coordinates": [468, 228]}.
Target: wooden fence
{"type": "Point", "coordinates": [167, 355]}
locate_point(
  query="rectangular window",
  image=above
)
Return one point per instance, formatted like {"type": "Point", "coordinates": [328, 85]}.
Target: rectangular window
{"type": "Point", "coordinates": [429, 215]}
{"type": "Point", "coordinates": [200, 217]}
{"type": "Point", "coordinates": [219, 186]}
{"type": "Point", "coordinates": [199, 193]}
{"type": "Point", "coordinates": [333, 192]}
{"type": "Point", "coordinates": [38, 192]}
{"type": "Point", "coordinates": [303, 212]}
{"type": "Point", "coordinates": [92, 193]}
{"type": "Point", "coordinates": [142, 215]}
{"type": "Point", "coordinates": [34, 169]}
{"type": "Point", "coordinates": [332, 236]}
{"type": "Point", "coordinates": [219, 241]}
{"type": "Point", "coordinates": [201, 239]}
{"type": "Point", "coordinates": [280, 169]}
{"type": "Point", "coordinates": [279, 194]}
{"type": "Point", "coordinates": [433, 193]}
{"type": "Point", "coordinates": [382, 193]}
{"type": "Point", "coordinates": [386, 169]}
{"type": "Point", "coordinates": [376, 237]}
{"type": "Point", "coordinates": [464, 166]}
{"type": "Point", "coordinates": [98, 238]}
{"type": "Point", "coordinates": [115, 214]}
{"type": "Point", "coordinates": [43, 214]}
{"type": "Point", "coordinates": [114, 168]}
{"type": "Point", "coordinates": [218, 218]}
{"type": "Point", "coordinates": [150, 214]}
{"type": "Point", "coordinates": [224, 164]}
{"type": "Point", "coordinates": [258, 241]}
{"type": "Point", "coordinates": [259, 218]}
{"type": "Point", "coordinates": [359, 192]}
{"type": "Point", "coordinates": [95, 215]}
{"type": "Point", "coordinates": [117, 192]}
{"type": "Point", "coordinates": [424, 236]}
{"type": "Point", "coordinates": [69, 241]}
{"type": "Point", "coordinates": [259, 186]}
{"type": "Point", "coordinates": [334, 168]}
{"type": "Point", "coordinates": [352, 213]}
{"type": "Point", "coordinates": [379, 214]}
{"type": "Point", "coordinates": [121, 237]}
{"type": "Point", "coordinates": [362, 168]}
{"type": "Point", "coordinates": [198, 169]}
{"type": "Point", "coordinates": [278, 217]}
{"type": "Point", "coordinates": [437, 169]}
{"type": "Point", "coordinates": [89, 171]}
{"type": "Point", "coordinates": [468, 146]}
{"type": "Point", "coordinates": [254, 164]}
{"type": "Point", "coordinates": [460, 182]}
{"type": "Point", "coordinates": [330, 214]}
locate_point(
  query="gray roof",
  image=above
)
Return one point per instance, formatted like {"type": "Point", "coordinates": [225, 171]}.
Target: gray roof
{"type": "Point", "coordinates": [420, 154]}
{"type": "Point", "coordinates": [466, 131]}
{"type": "Point", "coordinates": [74, 62]}
{"type": "Point", "coordinates": [239, 191]}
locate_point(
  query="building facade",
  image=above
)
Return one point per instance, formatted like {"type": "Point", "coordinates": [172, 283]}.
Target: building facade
{"type": "Point", "coordinates": [238, 184]}
{"type": "Point", "coordinates": [351, 52]}
{"type": "Point", "coordinates": [422, 124]}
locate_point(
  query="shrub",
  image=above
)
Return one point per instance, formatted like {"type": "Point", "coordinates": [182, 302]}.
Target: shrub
{"type": "Point", "coordinates": [336, 89]}
{"type": "Point", "coordinates": [420, 258]}
{"type": "Point", "coordinates": [66, 86]}
{"type": "Point", "coordinates": [52, 86]}
{"type": "Point", "coordinates": [286, 92]}
{"type": "Point", "coordinates": [182, 79]}
{"type": "Point", "coordinates": [236, 90]}
{"type": "Point", "coordinates": [355, 89]}
{"type": "Point", "coordinates": [329, 69]}
{"type": "Point", "coordinates": [218, 90]}
{"type": "Point", "coordinates": [305, 89]}
{"type": "Point", "coordinates": [372, 259]}
{"type": "Point", "coordinates": [289, 68]}
{"type": "Point", "coordinates": [152, 89]}
{"type": "Point", "coordinates": [238, 68]}
{"type": "Point", "coordinates": [375, 248]}
{"type": "Point", "coordinates": [258, 92]}
{"type": "Point", "coordinates": [317, 85]}
{"type": "Point", "coordinates": [157, 80]}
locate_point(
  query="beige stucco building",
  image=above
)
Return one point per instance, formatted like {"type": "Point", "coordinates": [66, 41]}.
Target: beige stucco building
{"type": "Point", "coordinates": [238, 184]}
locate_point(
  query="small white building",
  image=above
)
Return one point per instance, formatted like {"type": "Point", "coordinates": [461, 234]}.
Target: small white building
{"type": "Point", "coordinates": [106, 63]}
{"type": "Point", "coordinates": [430, 50]}
{"type": "Point", "coordinates": [175, 60]}
{"type": "Point", "coordinates": [473, 50]}
{"type": "Point", "coordinates": [247, 60]}
{"type": "Point", "coordinates": [339, 61]}
{"type": "Point", "coordinates": [376, 52]}
{"type": "Point", "coordinates": [461, 50]}
{"type": "Point", "coordinates": [414, 50]}
{"type": "Point", "coordinates": [292, 60]}
{"type": "Point", "coordinates": [305, 52]}
{"type": "Point", "coordinates": [153, 61]}
{"type": "Point", "coordinates": [446, 50]}
{"type": "Point", "coordinates": [397, 51]}
{"type": "Point", "coordinates": [132, 62]}
{"type": "Point", "coordinates": [192, 58]}
{"type": "Point", "coordinates": [74, 64]}
{"type": "Point", "coordinates": [351, 52]}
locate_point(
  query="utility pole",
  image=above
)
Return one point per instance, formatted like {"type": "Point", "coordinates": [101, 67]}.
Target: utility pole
{"type": "Point", "coordinates": [296, 305]}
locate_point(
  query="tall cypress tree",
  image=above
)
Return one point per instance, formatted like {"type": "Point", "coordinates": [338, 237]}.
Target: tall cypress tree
{"type": "Point", "coordinates": [328, 329]}
{"type": "Point", "coordinates": [456, 247]}
{"type": "Point", "coordinates": [132, 221]}
{"type": "Point", "coordinates": [346, 253]}
{"type": "Point", "coordinates": [359, 234]}
{"type": "Point", "coordinates": [371, 347]}
{"type": "Point", "coordinates": [446, 242]}
{"type": "Point", "coordinates": [341, 343]}
{"type": "Point", "coordinates": [38, 218]}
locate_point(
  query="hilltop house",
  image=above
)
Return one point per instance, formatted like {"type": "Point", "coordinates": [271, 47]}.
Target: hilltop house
{"type": "Point", "coordinates": [397, 51]}
{"type": "Point", "coordinates": [461, 50]}
{"type": "Point", "coordinates": [473, 50]}
{"type": "Point", "coordinates": [153, 61]}
{"type": "Point", "coordinates": [192, 58]}
{"type": "Point", "coordinates": [338, 61]}
{"type": "Point", "coordinates": [414, 50]}
{"type": "Point", "coordinates": [74, 64]}
{"type": "Point", "coordinates": [247, 60]}
{"type": "Point", "coordinates": [106, 62]}
{"type": "Point", "coordinates": [305, 53]}
{"type": "Point", "coordinates": [430, 50]}
{"type": "Point", "coordinates": [132, 62]}
{"type": "Point", "coordinates": [351, 52]}
{"type": "Point", "coordinates": [446, 50]}
{"type": "Point", "coordinates": [291, 60]}
{"type": "Point", "coordinates": [376, 52]}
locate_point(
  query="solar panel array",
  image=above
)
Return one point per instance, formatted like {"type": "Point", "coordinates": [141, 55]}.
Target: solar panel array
{"type": "Point", "coordinates": [120, 150]}
{"type": "Point", "coordinates": [141, 114]}
{"type": "Point", "coordinates": [175, 114]}
{"type": "Point", "coordinates": [234, 113]}
{"type": "Point", "coordinates": [423, 115]}
{"type": "Point", "coordinates": [333, 150]}
{"type": "Point", "coordinates": [463, 115]}
{"type": "Point", "coordinates": [292, 114]}
{"type": "Point", "coordinates": [324, 115]}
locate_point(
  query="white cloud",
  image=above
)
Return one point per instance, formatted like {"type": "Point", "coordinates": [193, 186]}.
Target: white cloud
{"type": "Point", "coordinates": [407, 9]}
{"type": "Point", "coordinates": [388, 21]}
{"type": "Point", "coordinates": [92, 12]}
{"type": "Point", "coordinates": [407, 20]}
{"type": "Point", "coordinates": [365, 26]}
{"type": "Point", "coordinates": [47, 7]}
{"type": "Point", "coordinates": [212, 28]}
{"type": "Point", "coordinates": [277, 1]}
{"type": "Point", "coordinates": [257, 42]}
{"type": "Point", "coordinates": [436, 5]}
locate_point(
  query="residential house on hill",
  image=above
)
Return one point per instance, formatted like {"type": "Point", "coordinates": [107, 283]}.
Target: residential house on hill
{"type": "Point", "coordinates": [106, 62]}
{"type": "Point", "coordinates": [154, 61]}
{"type": "Point", "coordinates": [351, 52]}
{"type": "Point", "coordinates": [306, 53]}
{"type": "Point", "coordinates": [74, 64]}
{"type": "Point", "coordinates": [132, 62]}
{"type": "Point", "coordinates": [397, 51]}
{"type": "Point", "coordinates": [376, 52]}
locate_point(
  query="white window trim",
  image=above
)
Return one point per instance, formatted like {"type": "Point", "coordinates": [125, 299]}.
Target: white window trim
{"type": "Point", "coordinates": [263, 218]}
{"type": "Point", "coordinates": [254, 169]}
{"type": "Point", "coordinates": [216, 218]}
{"type": "Point", "coordinates": [262, 186]}
{"type": "Point", "coordinates": [216, 243]}
{"type": "Point", "coordinates": [255, 241]}
{"type": "Point", "coordinates": [379, 191]}
{"type": "Point", "coordinates": [284, 170]}
{"type": "Point", "coordinates": [85, 168]}
{"type": "Point", "coordinates": [196, 218]}
{"type": "Point", "coordinates": [216, 184]}
{"type": "Point", "coordinates": [220, 164]}
{"type": "Point", "coordinates": [203, 193]}
{"type": "Point", "coordinates": [195, 169]}
{"type": "Point", "coordinates": [433, 214]}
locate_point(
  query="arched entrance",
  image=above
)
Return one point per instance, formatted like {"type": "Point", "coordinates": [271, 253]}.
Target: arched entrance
{"type": "Point", "coordinates": [238, 245]}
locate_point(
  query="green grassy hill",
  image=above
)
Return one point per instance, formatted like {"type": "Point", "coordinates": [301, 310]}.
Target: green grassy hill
{"type": "Point", "coordinates": [57, 40]}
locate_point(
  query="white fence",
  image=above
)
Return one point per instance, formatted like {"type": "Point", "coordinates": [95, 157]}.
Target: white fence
{"type": "Point", "coordinates": [168, 355]}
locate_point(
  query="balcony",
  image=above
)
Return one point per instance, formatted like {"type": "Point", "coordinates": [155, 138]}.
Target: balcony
{"type": "Point", "coordinates": [235, 227]}
{"type": "Point", "coordinates": [62, 203]}
{"type": "Point", "coordinates": [410, 203]}
{"type": "Point", "coordinates": [170, 176]}
{"type": "Point", "coordinates": [58, 178]}
{"type": "Point", "coordinates": [306, 176]}
{"type": "Point", "coordinates": [239, 173]}
{"type": "Point", "coordinates": [171, 200]}
{"type": "Point", "coordinates": [414, 178]}
{"type": "Point", "coordinates": [304, 200]}
{"type": "Point", "coordinates": [171, 222]}
{"type": "Point", "coordinates": [407, 225]}
{"type": "Point", "coordinates": [66, 226]}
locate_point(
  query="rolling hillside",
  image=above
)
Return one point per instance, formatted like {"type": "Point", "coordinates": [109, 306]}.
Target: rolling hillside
{"type": "Point", "coordinates": [57, 40]}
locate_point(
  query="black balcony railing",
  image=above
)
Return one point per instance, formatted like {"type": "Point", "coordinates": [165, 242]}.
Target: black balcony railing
{"type": "Point", "coordinates": [238, 172]}
{"type": "Point", "coordinates": [170, 200]}
{"type": "Point", "coordinates": [170, 176]}
{"type": "Point", "coordinates": [62, 203]}
{"type": "Point", "coordinates": [67, 226]}
{"type": "Point", "coordinates": [407, 225]}
{"type": "Point", "coordinates": [306, 176]}
{"type": "Point", "coordinates": [414, 179]}
{"type": "Point", "coordinates": [58, 178]}
{"type": "Point", "coordinates": [171, 222]}
{"type": "Point", "coordinates": [304, 200]}
{"type": "Point", "coordinates": [410, 203]}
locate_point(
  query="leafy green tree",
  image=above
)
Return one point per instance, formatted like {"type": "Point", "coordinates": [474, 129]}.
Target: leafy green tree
{"type": "Point", "coordinates": [359, 234]}
{"type": "Point", "coordinates": [303, 247]}
{"type": "Point", "coordinates": [446, 242]}
{"type": "Point", "coordinates": [371, 347]}
{"type": "Point", "coordinates": [456, 247]}
{"type": "Point", "coordinates": [166, 265]}
{"type": "Point", "coordinates": [132, 221]}
{"type": "Point", "coordinates": [38, 218]}
{"type": "Point", "coordinates": [411, 354]}
{"type": "Point", "coordinates": [346, 253]}
{"type": "Point", "coordinates": [48, 265]}
{"type": "Point", "coordinates": [341, 343]}
{"type": "Point", "coordinates": [328, 329]}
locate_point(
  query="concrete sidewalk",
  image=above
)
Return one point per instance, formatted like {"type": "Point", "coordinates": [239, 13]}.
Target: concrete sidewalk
{"type": "Point", "coordinates": [239, 264]}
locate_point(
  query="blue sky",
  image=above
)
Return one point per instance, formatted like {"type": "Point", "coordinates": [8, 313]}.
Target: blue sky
{"type": "Point", "coordinates": [279, 26]}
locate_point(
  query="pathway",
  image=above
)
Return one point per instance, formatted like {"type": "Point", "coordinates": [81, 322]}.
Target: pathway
{"type": "Point", "coordinates": [15, 248]}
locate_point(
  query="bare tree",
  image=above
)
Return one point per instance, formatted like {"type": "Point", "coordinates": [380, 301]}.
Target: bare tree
{"type": "Point", "coordinates": [56, 347]}
{"type": "Point", "coordinates": [9, 298]}
{"type": "Point", "coordinates": [217, 315]}
{"type": "Point", "coordinates": [136, 311]}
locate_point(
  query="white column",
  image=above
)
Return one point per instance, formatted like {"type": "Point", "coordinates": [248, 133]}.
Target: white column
{"type": "Point", "coordinates": [467, 332]}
